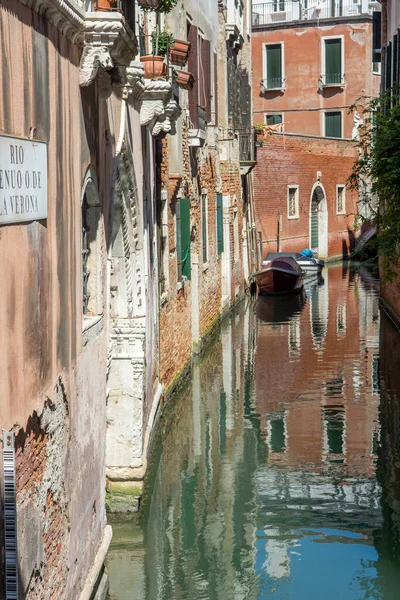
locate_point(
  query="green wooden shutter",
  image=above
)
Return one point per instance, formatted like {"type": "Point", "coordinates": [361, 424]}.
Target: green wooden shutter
{"type": "Point", "coordinates": [220, 226]}
{"type": "Point", "coordinates": [389, 66]}
{"type": "Point", "coordinates": [204, 226]}
{"type": "Point", "coordinates": [333, 124]}
{"type": "Point", "coordinates": [178, 239]}
{"type": "Point", "coordinates": [274, 119]}
{"type": "Point", "coordinates": [314, 223]}
{"type": "Point", "coordinates": [274, 66]}
{"type": "Point", "coordinates": [185, 237]}
{"type": "Point", "coordinates": [333, 61]}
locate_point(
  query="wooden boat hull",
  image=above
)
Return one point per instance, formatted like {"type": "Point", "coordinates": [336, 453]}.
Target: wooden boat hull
{"type": "Point", "coordinates": [281, 276]}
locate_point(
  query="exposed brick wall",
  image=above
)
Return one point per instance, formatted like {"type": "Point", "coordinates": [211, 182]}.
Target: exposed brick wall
{"type": "Point", "coordinates": [176, 335]}
{"type": "Point", "coordinates": [232, 186]}
{"type": "Point", "coordinates": [292, 159]}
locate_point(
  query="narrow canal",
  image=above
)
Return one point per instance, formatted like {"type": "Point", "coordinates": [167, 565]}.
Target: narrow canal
{"type": "Point", "coordinates": [277, 467]}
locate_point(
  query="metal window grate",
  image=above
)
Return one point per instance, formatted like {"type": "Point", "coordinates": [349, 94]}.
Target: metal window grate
{"type": "Point", "coordinates": [10, 515]}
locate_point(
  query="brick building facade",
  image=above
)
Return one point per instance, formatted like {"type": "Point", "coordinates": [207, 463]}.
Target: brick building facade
{"type": "Point", "coordinates": [291, 169]}
{"type": "Point", "coordinates": [203, 173]}
{"type": "Point", "coordinates": [310, 65]}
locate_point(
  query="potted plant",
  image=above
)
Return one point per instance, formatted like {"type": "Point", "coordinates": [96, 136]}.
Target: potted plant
{"type": "Point", "coordinates": [154, 64]}
{"type": "Point", "coordinates": [179, 53]}
{"type": "Point", "coordinates": [160, 6]}
{"type": "Point", "coordinates": [101, 5]}
{"type": "Point", "coordinates": [149, 4]}
{"type": "Point", "coordinates": [184, 79]}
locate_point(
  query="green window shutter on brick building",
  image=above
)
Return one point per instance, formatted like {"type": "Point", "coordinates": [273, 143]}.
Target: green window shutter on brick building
{"type": "Point", "coordinates": [220, 228]}
{"type": "Point", "coordinates": [274, 66]}
{"type": "Point", "coordinates": [178, 239]}
{"type": "Point", "coordinates": [333, 61]}
{"type": "Point", "coordinates": [333, 124]}
{"type": "Point", "coordinates": [185, 237]}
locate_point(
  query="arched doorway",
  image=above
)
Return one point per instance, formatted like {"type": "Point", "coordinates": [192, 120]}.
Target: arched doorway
{"type": "Point", "coordinates": [319, 221]}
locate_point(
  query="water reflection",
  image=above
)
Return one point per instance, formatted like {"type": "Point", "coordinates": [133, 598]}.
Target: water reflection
{"type": "Point", "coordinates": [264, 481]}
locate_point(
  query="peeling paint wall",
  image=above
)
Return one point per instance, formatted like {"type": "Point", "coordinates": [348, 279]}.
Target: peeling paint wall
{"type": "Point", "coordinates": [53, 367]}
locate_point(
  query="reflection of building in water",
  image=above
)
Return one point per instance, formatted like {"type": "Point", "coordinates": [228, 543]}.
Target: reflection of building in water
{"type": "Point", "coordinates": [201, 510]}
{"type": "Point", "coordinates": [388, 471]}
{"type": "Point", "coordinates": [316, 378]}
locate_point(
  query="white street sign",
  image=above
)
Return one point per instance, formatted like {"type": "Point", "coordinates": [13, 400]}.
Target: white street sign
{"type": "Point", "coordinates": [23, 180]}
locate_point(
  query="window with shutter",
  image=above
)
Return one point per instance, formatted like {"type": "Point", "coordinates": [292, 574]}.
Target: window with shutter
{"type": "Point", "coordinates": [388, 80]}
{"type": "Point", "coordinates": [333, 61]}
{"type": "Point", "coordinates": [376, 42]}
{"type": "Point", "coordinates": [204, 226]}
{"type": "Point", "coordinates": [274, 119]}
{"type": "Point", "coordinates": [216, 87]}
{"type": "Point", "coordinates": [193, 37]}
{"type": "Point", "coordinates": [333, 124]}
{"type": "Point", "coordinates": [205, 77]}
{"type": "Point", "coordinates": [178, 239]}
{"type": "Point", "coordinates": [185, 237]}
{"type": "Point", "coordinates": [274, 78]}
{"type": "Point", "coordinates": [220, 228]}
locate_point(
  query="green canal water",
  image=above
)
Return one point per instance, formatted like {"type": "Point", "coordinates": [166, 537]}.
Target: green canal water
{"type": "Point", "coordinates": [276, 470]}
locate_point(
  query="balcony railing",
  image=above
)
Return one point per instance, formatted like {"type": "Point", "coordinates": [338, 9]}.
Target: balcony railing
{"type": "Point", "coordinates": [332, 80]}
{"type": "Point", "coordinates": [273, 83]}
{"type": "Point", "coordinates": [283, 11]}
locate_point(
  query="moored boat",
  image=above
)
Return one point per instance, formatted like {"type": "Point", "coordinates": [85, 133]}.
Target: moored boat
{"type": "Point", "coordinates": [311, 265]}
{"type": "Point", "coordinates": [280, 276]}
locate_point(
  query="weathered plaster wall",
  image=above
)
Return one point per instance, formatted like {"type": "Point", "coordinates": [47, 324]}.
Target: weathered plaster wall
{"type": "Point", "coordinates": [302, 98]}
{"type": "Point", "coordinates": [52, 379]}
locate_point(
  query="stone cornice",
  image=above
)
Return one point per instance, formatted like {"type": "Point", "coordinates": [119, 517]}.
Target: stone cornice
{"type": "Point", "coordinates": [66, 15]}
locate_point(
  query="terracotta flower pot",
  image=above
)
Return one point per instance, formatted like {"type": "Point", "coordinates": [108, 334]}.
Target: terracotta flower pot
{"type": "Point", "coordinates": [149, 3]}
{"type": "Point", "coordinates": [185, 80]}
{"type": "Point", "coordinates": [105, 5]}
{"type": "Point", "coordinates": [154, 67]}
{"type": "Point", "coordinates": [179, 52]}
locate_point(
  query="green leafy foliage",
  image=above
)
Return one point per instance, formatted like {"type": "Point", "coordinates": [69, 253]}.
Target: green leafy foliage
{"type": "Point", "coordinates": [376, 175]}
{"type": "Point", "coordinates": [162, 42]}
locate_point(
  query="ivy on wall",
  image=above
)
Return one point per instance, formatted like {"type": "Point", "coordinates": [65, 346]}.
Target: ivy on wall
{"type": "Point", "coordinates": [376, 175]}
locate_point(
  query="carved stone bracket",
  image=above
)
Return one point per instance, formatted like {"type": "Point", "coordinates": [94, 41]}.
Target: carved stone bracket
{"type": "Point", "coordinates": [135, 82]}
{"type": "Point", "coordinates": [109, 47]}
{"type": "Point", "coordinates": [158, 112]}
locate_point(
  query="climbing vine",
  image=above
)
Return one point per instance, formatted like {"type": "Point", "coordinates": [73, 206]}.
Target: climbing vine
{"type": "Point", "coordinates": [376, 175]}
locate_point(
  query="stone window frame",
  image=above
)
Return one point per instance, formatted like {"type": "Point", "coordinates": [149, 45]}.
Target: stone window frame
{"type": "Point", "coordinates": [93, 214]}
{"type": "Point", "coordinates": [264, 63]}
{"type": "Point", "coordinates": [296, 187]}
{"type": "Point", "coordinates": [341, 123]}
{"type": "Point", "coordinates": [274, 114]}
{"type": "Point", "coordinates": [324, 38]}
{"type": "Point", "coordinates": [341, 186]}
